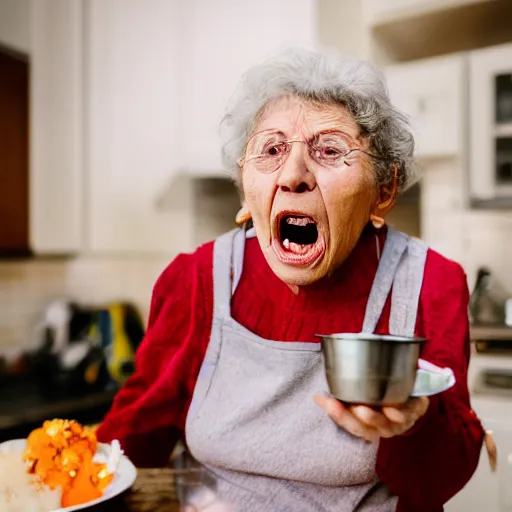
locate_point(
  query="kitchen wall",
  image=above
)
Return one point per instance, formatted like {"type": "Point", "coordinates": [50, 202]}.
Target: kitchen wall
{"type": "Point", "coordinates": [472, 237]}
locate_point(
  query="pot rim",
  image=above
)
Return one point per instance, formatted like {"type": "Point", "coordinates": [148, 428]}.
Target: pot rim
{"type": "Point", "coordinates": [363, 336]}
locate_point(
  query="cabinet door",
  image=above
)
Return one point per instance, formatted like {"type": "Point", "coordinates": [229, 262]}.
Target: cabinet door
{"type": "Point", "coordinates": [487, 491]}
{"type": "Point", "coordinates": [56, 165]}
{"type": "Point", "coordinates": [431, 93]}
{"type": "Point", "coordinates": [221, 40]}
{"type": "Point", "coordinates": [136, 202]}
{"type": "Point", "coordinates": [490, 96]}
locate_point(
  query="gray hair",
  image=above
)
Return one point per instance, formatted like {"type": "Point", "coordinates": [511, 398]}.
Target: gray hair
{"type": "Point", "coordinates": [323, 78]}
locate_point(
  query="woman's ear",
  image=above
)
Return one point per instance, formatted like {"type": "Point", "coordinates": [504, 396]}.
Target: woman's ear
{"type": "Point", "coordinates": [243, 215]}
{"type": "Point", "coordinates": [388, 195]}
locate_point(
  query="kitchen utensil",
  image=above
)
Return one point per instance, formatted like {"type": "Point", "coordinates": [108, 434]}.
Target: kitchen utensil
{"type": "Point", "coordinates": [371, 369]}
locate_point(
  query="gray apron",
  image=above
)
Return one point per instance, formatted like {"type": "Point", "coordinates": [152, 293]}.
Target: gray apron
{"type": "Point", "coordinates": [253, 422]}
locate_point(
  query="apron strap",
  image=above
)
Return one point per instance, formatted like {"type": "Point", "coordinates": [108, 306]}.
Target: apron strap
{"type": "Point", "coordinates": [222, 277]}
{"type": "Point", "coordinates": [394, 250]}
{"type": "Point", "coordinates": [407, 288]}
{"type": "Point", "coordinates": [228, 261]}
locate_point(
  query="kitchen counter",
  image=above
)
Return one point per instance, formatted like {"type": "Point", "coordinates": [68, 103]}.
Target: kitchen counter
{"type": "Point", "coordinates": [154, 490]}
{"type": "Point", "coordinates": [490, 332]}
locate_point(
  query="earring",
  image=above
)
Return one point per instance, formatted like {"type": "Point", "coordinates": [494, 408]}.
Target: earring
{"type": "Point", "coordinates": [243, 216]}
{"type": "Point", "coordinates": [377, 221]}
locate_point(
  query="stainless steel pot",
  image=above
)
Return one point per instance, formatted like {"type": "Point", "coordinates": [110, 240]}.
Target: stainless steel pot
{"type": "Point", "coordinates": [371, 369]}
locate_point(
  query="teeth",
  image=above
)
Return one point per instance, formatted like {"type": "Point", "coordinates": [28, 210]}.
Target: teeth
{"type": "Point", "coordinates": [286, 244]}
{"type": "Point", "coordinates": [299, 221]}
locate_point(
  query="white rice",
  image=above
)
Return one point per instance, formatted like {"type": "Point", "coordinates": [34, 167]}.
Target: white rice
{"type": "Point", "coordinates": [19, 491]}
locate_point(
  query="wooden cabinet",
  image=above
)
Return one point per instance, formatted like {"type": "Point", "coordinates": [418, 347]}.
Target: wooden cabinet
{"type": "Point", "coordinates": [490, 148]}
{"type": "Point", "coordinates": [432, 93]}
{"type": "Point", "coordinates": [14, 128]}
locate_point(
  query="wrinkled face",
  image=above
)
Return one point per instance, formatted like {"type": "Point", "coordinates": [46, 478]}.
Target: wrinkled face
{"type": "Point", "coordinates": [308, 198]}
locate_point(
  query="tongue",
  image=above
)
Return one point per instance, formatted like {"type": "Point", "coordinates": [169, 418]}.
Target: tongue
{"type": "Point", "coordinates": [296, 248]}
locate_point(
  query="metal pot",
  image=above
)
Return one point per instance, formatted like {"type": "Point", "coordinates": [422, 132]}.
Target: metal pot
{"type": "Point", "coordinates": [371, 369]}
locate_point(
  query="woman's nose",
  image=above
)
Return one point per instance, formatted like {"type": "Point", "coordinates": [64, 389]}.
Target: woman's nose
{"type": "Point", "coordinates": [294, 175]}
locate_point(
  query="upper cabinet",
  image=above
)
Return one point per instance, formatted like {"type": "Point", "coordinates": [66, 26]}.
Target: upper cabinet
{"type": "Point", "coordinates": [135, 200]}
{"type": "Point", "coordinates": [41, 126]}
{"type": "Point", "coordinates": [432, 94]}
{"type": "Point", "coordinates": [219, 41]}
{"type": "Point", "coordinates": [415, 29]}
{"type": "Point", "coordinates": [56, 127]}
{"type": "Point", "coordinates": [490, 148]}
{"type": "Point", "coordinates": [156, 89]}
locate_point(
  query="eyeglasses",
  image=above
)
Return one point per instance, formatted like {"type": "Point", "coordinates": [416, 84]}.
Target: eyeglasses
{"type": "Point", "coordinates": [267, 151]}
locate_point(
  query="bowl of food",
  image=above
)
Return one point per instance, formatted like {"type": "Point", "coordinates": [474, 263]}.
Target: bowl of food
{"type": "Point", "coordinates": [371, 369]}
{"type": "Point", "coordinates": [61, 467]}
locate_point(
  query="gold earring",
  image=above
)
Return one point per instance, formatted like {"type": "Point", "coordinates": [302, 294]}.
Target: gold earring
{"type": "Point", "coordinates": [243, 216]}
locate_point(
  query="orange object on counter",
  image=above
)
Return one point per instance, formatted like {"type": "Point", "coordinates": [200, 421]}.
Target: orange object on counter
{"type": "Point", "coordinates": [61, 453]}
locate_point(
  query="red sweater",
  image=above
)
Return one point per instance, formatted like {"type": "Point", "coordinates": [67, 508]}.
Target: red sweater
{"type": "Point", "coordinates": [424, 468]}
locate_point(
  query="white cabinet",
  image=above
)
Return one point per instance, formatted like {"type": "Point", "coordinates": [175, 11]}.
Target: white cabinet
{"type": "Point", "coordinates": [487, 491]}
{"type": "Point", "coordinates": [432, 93]}
{"type": "Point", "coordinates": [220, 40]}
{"type": "Point", "coordinates": [490, 96]}
{"type": "Point", "coordinates": [159, 75]}
{"type": "Point", "coordinates": [135, 202]}
{"type": "Point", "coordinates": [56, 151]}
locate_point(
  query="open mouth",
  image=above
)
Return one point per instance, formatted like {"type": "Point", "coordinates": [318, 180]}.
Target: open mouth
{"type": "Point", "coordinates": [298, 241]}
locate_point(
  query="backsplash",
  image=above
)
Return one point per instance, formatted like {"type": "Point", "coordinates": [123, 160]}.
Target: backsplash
{"type": "Point", "coordinates": [473, 238]}
{"type": "Point", "coordinates": [26, 287]}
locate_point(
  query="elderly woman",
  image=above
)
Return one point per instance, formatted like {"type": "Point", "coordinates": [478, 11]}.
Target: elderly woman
{"type": "Point", "coordinates": [231, 361]}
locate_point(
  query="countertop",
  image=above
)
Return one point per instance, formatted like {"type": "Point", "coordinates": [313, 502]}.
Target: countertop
{"type": "Point", "coordinates": [153, 491]}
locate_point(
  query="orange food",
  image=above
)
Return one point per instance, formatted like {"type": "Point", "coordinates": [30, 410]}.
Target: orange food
{"type": "Point", "coordinates": [61, 455]}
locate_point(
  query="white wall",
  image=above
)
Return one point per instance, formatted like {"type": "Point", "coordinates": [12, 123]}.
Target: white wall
{"type": "Point", "coordinates": [15, 24]}
{"type": "Point", "coordinates": [340, 25]}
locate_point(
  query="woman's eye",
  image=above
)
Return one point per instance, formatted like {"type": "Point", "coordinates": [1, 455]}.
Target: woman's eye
{"type": "Point", "coordinates": [328, 152]}
{"type": "Point", "coordinates": [273, 150]}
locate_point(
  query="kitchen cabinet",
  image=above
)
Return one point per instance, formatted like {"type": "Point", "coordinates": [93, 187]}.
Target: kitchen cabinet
{"type": "Point", "coordinates": [490, 148]}
{"type": "Point", "coordinates": [135, 201]}
{"type": "Point", "coordinates": [405, 30]}
{"type": "Point", "coordinates": [158, 81]}
{"type": "Point", "coordinates": [432, 93]}
{"type": "Point", "coordinates": [41, 142]}
{"type": "Point", "coordinates": [490, 491]}
{"type": "Point", "coordinates": [56, 136]}
{"type": "Point", "coordinates": [221, 40]}
{"type": "Point", "coordinates": [14, 122]}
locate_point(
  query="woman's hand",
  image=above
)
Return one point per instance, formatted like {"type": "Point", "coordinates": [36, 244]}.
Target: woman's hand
{"type": "Point", "coordinates": [372, 424]}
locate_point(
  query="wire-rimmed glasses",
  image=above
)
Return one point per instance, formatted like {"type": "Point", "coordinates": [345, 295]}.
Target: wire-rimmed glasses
{"type": "Point", "coordinates": [268, 150]}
